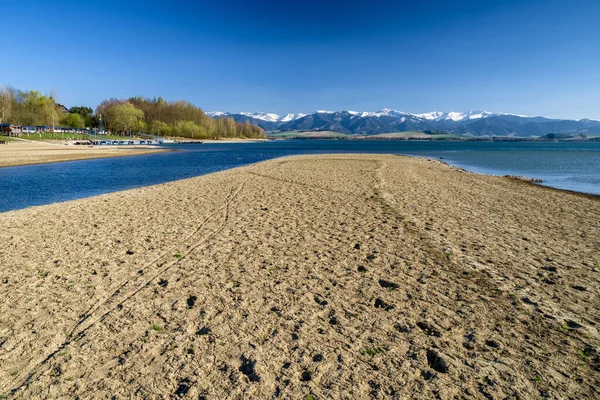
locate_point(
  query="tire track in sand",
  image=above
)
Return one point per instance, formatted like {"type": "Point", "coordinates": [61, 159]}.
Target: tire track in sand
{"type": "Point", "coordinates": [116, 300]}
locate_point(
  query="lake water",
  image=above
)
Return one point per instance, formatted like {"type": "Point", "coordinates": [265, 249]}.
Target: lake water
{"type": "Point", "coordinates": [572, 166]}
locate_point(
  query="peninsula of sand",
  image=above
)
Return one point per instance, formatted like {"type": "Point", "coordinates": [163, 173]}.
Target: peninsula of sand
{"type": "Point", "coordinates": [311, 277]}
{"type": "Point", "coordinates": [22, 152]}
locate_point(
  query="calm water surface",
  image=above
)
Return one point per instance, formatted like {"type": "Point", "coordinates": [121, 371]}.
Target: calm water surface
{"type": "Point", "coordinates": [572, 166]}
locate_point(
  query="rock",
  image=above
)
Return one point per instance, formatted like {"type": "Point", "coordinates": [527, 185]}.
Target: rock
{"type": "Point", "coordinates": [129, 252]}
{"type": "Point", "coordinates": [318, 358]}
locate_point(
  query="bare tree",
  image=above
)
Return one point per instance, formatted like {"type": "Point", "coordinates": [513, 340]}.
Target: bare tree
{"type": "Point", "coordinates": [6, 102]}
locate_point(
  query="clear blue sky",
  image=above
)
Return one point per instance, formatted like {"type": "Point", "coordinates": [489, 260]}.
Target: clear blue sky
{"type": "Point", "coordinates": [528, 57]}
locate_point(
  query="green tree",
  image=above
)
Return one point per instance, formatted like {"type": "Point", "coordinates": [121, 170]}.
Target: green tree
{"type": "Point", "coordinates": [51, 113]}
{"type": "Point", "coordinates": [122, 117]}
{"type": "Point", "coordinates": [6, 105]}
{"type": "Point", "coordinates": [73, 120]}
{"type": "Point", "coordinates": [90, 120]}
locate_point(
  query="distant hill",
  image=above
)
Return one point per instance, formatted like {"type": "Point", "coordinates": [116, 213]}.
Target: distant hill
{"type": "Point", "coordinates": [473, 123]}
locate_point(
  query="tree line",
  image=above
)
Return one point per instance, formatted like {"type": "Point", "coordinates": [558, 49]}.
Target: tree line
{"type": "Point", "coordinates": [136, 114]}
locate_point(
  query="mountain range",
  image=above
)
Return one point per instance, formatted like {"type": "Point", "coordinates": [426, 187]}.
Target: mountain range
{"type": "Point", "coordinates": [473, 123]}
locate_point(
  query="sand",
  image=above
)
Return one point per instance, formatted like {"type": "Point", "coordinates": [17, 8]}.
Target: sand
{"type": "Point", "coordinates": [338, 276]}
{"type": "Point", "coordinates": [28, 152]}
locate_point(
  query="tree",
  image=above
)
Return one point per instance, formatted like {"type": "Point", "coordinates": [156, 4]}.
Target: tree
{"type": "Point", "coordinates": [6, 104]}
{"type": "Point", "coordinates": [51, 112]}
{"type": "Point", "coordinates": [124, 116]}
{"type": "Point", "coordinates": [90, 120]}
{"type": "Point", "coordinates": [83, 111]}
{"type": "Point", "coordinates": [73, 120]}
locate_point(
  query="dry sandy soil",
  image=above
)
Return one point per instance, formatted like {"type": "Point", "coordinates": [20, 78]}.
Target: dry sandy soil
{"type": "Point", "coordinates": [346, 276]}
{"type": "Point", "coordinates": [22, 152]}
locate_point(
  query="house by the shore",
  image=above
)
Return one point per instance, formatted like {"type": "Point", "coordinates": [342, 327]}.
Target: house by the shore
{"type": "Point", "coordinates": [9, 129]}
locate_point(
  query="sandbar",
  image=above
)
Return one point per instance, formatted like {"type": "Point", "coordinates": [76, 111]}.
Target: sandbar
{"type": "Point", "coordinates": [28, 152]}
{"type": "Point", "coordinates": [331, 276]}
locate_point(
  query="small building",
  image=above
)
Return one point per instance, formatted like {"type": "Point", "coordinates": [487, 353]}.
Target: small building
{"type": "Point", "coordinates": [36, 129]}
{"type": "Point", "coordinates": [9, 129]}
{"type": "Point", "coordinates": [62, 108]}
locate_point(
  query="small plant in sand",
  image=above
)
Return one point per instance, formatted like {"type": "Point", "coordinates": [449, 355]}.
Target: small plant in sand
{"type": "Point", "coordinates": [178, 256]}
{"type": "Point", "coordinates": [537, 379]}
{"type": "Point", "coordinates": [373, 351]}
{"type": "Point", "coordinates": [157, 328]}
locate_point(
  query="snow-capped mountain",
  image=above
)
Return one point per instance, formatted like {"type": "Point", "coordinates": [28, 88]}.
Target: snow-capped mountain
{"type": "Point", "coordinates": [216, 114]}
{"type": "Point", "coordinates": [291, 117]}
{"type": "Point", "coordinates": [269, 117]}
{"type": "Point", "coordinates": [261, 116]}
{"type": "Point", "coordinates": [458, 116]}
{"type": "Point", "coordinates": [477, 123]}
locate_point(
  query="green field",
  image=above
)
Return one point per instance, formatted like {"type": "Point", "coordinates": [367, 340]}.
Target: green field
{"type": "Point", "coordinates": [51, 136]}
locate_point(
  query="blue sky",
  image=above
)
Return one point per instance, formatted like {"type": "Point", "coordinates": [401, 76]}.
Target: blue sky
{"type": "Point", "coordinates": [534, 57]}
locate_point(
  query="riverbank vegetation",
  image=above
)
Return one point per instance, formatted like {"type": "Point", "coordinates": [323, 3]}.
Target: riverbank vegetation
{"type": "Point", "coordinates": [121, 117]}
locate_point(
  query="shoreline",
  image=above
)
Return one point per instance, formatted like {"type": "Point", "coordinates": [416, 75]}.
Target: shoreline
{"type": "Point", "coordinates": [23, 153]}
{"type": "Point", "coordinates": [306, 275]}
{"type": "Point", "coordinates": [528, 180]}
{"type": "Point", "coordinates": [141, 150]}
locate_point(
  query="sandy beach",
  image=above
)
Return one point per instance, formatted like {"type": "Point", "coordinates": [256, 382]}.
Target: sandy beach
{"type": "Point", "coordinates": [334, 276]}
{"type": "Point", "coordinates": [29, 152]}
